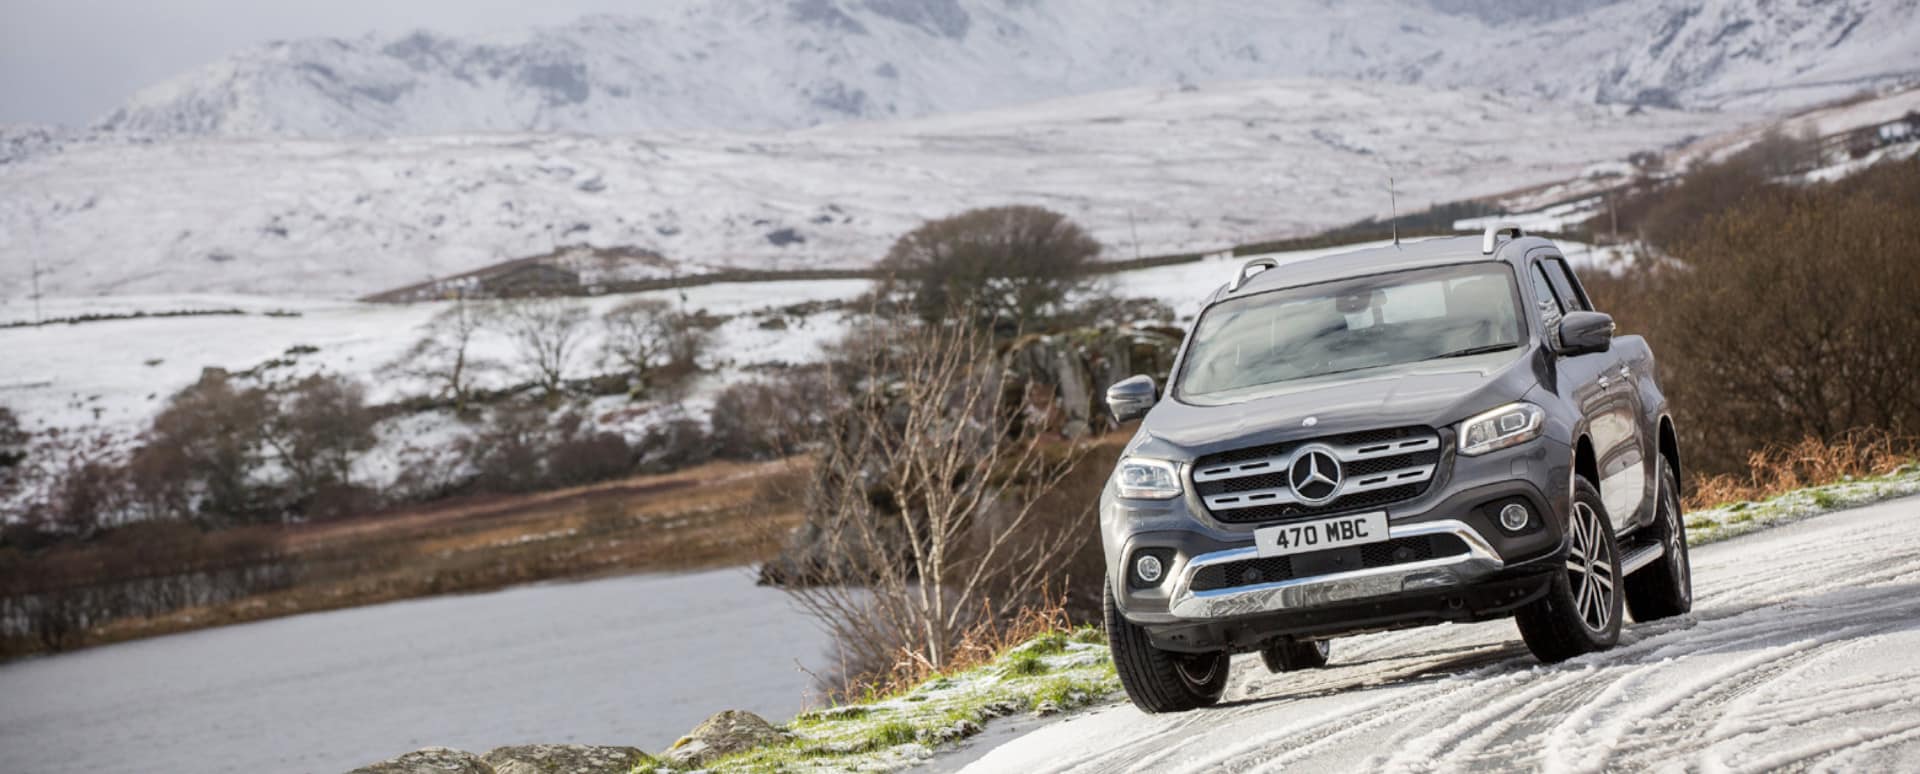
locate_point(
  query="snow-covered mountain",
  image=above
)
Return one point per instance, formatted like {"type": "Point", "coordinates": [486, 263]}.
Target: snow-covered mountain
{"type": "Point", "coordinates": [1181, 169]}
{"type": "Point", "coordinates": [767, 64]}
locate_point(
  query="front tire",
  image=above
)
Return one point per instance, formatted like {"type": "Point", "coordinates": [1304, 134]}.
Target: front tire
{"type": "Point", "coordinates": [1664, 588]}
{"type": "Point", "coordinates": [1581, 611]}
{"type": "Point", "coordinates": [1160, 680]}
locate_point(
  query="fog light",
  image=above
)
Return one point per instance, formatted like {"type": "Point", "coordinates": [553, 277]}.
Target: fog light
{"type": "Point", "coordinates": [1514, 517]}
{"type": "Point", "coordinates": [1147, 568]}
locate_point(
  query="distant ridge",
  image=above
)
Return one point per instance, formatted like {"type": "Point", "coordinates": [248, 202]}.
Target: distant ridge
{"type": "Point", "coordinates": [759, 65]}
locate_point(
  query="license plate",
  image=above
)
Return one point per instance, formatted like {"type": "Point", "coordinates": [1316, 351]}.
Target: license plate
{"type": "Point", "coordinates": [1303, 537]}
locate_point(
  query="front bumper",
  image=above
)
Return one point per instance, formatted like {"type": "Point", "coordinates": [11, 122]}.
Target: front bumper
{"type": "Point", "coordinates": [1498, 570]}
{"type": "Point", "coordinates": [1478, 562]}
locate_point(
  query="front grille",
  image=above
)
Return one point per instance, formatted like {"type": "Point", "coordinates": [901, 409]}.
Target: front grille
{"type": "Point", "coordinates": [1379, 467]}
{"type": "Point", "coordinates": [1249, 572]}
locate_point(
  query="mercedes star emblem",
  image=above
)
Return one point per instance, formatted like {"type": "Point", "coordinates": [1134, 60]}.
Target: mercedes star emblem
{"type": "Point", "coordinates": [1315, 475]}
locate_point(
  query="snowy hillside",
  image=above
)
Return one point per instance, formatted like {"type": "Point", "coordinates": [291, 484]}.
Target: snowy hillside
{"type": "Point", "coordinates": [1187, 169]}
{"type": "Point", "coordinates": [756, 65]}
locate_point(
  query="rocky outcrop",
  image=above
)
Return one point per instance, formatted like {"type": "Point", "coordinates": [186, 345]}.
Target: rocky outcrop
{"type": "Point", "coordinates": [565, 759]}
{"type": "Point", "coordinates": [432, 760]}
{"type": "Point", "coordinates": [724, 734]}
{"type": "Point", "coordinates": [1065, 375]}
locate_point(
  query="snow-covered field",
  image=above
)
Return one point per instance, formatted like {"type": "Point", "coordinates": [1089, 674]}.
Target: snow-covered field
{"type": "Point", "coordinates": [1802, 653]}
{"type": "Point", "coordinates": [1181, 169]}
{"type": "Point", "coordinates": [115, 374]}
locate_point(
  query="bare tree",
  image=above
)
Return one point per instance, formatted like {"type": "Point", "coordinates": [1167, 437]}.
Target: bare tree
{"type": "Point", "coordinates": [443, 356]}
{"type": "Point", "coordinates": [545, 332]}
{"type": "Point", "coordinates": [655, 343]}
{"type": "Point", "coordinates": [926, 495]}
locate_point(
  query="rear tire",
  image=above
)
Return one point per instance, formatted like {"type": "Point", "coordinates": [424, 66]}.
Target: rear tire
{"type": "Point", "coordinates": [1290, 655]}
{"type": "Point", "coordinates": [1581, 611]}
{"type": "Point", "coordinates": [1160, 680]}
{"type": "Point", "coordinates": [1664, 588]}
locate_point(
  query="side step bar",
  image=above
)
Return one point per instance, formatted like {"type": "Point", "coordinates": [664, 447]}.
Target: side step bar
{"type": "Point", "coordinates": [1641, 557]}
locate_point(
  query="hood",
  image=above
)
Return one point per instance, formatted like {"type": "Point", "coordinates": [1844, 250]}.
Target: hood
{"type": "Point", "coordinates": [1434, 393]}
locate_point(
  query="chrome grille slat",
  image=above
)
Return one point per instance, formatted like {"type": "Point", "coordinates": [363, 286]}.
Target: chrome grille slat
{"type": "Point", "coordinates": [1281, 495]}
{"type": "Point", "coordinates": [1280, 462]}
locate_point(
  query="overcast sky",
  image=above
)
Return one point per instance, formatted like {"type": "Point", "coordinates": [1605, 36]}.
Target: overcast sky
{"type": "Point", "coordinates": [73, 61]}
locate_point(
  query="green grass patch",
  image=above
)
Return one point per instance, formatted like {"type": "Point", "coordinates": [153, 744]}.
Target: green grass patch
{"type": "Point", "coordinates": [1054, 672]}
{"type": "Point", "coordinates": [1025, 662]}
{"type": "Point", "coordinates": [1732, 519]}
{"type": "Point", "coordinates": [891, 733]}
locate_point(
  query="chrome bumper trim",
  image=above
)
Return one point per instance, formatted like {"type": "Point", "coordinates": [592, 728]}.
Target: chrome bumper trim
{"type": "Point", "coordinates": [1300, 593]}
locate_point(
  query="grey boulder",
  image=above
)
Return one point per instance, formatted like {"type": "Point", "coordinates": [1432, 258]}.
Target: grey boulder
{"type": "Point", "coordinates": [565, 759]}
{"type": "Point", "coordinates": [430, 760]}
{"type": "Point", "coordinates": [724, 734]}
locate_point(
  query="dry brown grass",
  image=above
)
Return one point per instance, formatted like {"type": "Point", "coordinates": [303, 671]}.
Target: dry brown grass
{"type": "Point", "coordinates": [1782, 468]}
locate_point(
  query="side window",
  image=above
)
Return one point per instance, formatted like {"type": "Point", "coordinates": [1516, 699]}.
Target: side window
{"type": "Point", "coordinates": [1549, 301]}
{"type": "Point", "coordinates": [1572, 296]}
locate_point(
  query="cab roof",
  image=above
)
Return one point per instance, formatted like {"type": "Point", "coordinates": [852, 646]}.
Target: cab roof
{"type": "Point", "coordinates": [1426, 253]}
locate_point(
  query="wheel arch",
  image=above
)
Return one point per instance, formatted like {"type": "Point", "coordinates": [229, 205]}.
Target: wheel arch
{"type": "Point", "coordinates": [1670, 451]}
{"type": "Point", "coordinates": [1586, 464]}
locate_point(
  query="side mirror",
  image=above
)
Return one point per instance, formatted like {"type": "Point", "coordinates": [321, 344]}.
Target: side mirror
{"type": "Point", "coordinates": [1130, 398]}
{"type": "Point", "coordinates": [1585, 332]}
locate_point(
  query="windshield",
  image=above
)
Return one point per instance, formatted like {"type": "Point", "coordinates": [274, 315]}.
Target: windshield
{"type": "Point", "coordinates": [1365, 322]}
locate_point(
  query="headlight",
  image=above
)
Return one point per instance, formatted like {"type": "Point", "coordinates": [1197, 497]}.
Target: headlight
{"type": "Point", "coordinates": [1144, 479]}
{"type": "Point", "coordinates": [1514, 423]}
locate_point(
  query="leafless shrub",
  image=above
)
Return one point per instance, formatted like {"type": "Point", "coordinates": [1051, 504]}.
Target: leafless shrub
{"type": "Point", "coordinates": [442, 355]}
{"type": "Point", "coordinates": [924, 502]}
{"type": "Point", "coordinates": [546, 333]}
{"type": "Point", "coordinates": [507, 451]}
{"type": "Point", "coordinates": [1004, 264]}
{"type": "Point", "coordinates": [77, 488]}
{"type": "Point", "coordinates": [774, 417]}
{"type": "Point", "coordinates": [581, 454]}
{"type": "Point", "coordinates": [674, 442]}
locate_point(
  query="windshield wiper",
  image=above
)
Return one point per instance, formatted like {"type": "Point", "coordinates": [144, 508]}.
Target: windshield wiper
{"type": "Point", "coordinates": [1480, 350]}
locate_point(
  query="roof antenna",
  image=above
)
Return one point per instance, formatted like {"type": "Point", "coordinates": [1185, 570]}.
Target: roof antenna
{"type": "Point", "coordinates": [1393, 201]}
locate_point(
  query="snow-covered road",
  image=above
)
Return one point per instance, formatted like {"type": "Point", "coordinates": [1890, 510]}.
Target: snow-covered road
{"type": "Point", "coordinates": [1803, 652]}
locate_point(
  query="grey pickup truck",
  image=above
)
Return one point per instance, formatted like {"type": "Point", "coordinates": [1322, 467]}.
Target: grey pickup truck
{"type": "Point", "coordinates": [1443, 430]}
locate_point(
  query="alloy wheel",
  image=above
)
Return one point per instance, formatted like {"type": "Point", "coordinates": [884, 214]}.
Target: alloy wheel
{"type": "Point", "coordinates": [1590, 569]}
